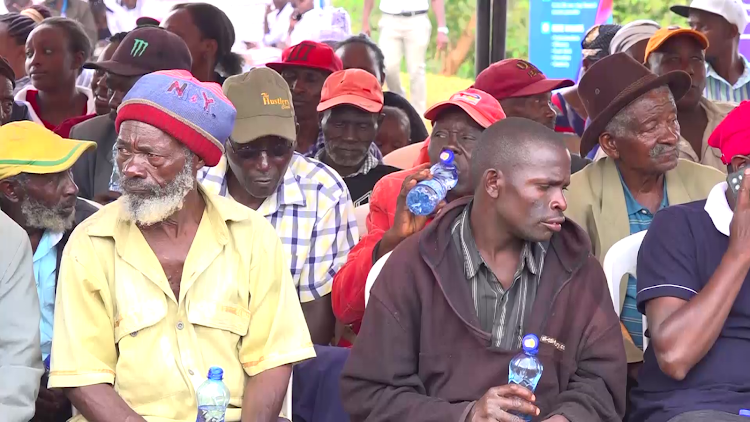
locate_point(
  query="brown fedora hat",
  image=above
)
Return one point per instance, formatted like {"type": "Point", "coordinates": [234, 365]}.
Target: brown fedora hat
{"type": "Point", "coordinates": [614, 82]}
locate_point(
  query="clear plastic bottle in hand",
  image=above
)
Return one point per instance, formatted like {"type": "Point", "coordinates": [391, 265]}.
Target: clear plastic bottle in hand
{"type": "Point", "coordinates": [525, 369]}
{"type": "Point", "coordinates": [213, 397]}
{"type": "Point", "coordinates": [424, 198]}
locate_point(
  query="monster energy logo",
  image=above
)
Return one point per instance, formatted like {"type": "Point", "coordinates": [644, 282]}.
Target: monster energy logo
{"type": "Point", "coordinates": [139, 47]}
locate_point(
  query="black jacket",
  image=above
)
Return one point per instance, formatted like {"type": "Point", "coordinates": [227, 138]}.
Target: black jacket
{"type": "Point", "coordinates": [93, 169]}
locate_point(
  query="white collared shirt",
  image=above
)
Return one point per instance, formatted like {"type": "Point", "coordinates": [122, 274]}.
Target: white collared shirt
{"type": "Point", "coordinates": [718, 209]}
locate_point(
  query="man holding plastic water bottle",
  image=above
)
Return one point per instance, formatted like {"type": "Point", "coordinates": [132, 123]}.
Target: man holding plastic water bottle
{"type": "Point", "coordinates": [453, 303]}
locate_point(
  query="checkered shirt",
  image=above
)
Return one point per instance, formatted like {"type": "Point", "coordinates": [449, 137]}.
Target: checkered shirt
{"type": "Point", "coordinates": [313, 215]}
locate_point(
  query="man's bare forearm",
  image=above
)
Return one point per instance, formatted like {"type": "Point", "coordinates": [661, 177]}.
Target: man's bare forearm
{"type": "Point", "coordinates": [100, 403]}
{"type": "Point", "coordinates": [264, 395]}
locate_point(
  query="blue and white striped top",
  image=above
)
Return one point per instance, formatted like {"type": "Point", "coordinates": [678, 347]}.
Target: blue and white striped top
{"type": "Point", "coordinates": [718, 89]}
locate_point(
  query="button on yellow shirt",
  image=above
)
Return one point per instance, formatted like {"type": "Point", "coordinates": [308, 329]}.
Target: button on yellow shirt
{"type": "Point", "coordinates": [117, 320]}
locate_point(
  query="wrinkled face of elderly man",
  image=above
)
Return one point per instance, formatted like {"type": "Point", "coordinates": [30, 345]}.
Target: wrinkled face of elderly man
{"type": "Point", "coordinates": [156, 172]}
{"type": "Point", "coordinates": [643, 136]}
{"type": "Point", "coordinates": [40, 201]}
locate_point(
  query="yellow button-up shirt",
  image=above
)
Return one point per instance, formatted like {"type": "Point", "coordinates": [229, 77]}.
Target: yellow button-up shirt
{"type": "Point", "coordinates": [117, 320]}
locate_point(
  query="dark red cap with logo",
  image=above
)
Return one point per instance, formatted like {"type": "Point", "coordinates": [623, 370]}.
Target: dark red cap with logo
{"type": "Point", "coordinates": [511, 78]}
{"type": "Point", "coordinates": [309, 54]}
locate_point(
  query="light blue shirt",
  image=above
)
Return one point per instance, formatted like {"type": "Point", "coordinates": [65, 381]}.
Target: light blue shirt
{"type": "Point", "coordinates": [45, 273]}
{"type": "Point", "coordinates": [718, 89]}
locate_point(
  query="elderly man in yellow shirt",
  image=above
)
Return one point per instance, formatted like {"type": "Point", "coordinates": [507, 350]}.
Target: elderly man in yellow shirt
{"type": "Point", "coordinates": [170, 280]}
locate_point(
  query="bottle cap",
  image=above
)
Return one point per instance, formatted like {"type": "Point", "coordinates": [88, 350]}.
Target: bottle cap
{"type": "Point", "coordinates": [446, 157]}
{"type": "Point", "coordinates": [744, 412]}
{"type": "Point", "coordinates": [215, 373]}
{"type": "Point", "coordinates": [530, 344]}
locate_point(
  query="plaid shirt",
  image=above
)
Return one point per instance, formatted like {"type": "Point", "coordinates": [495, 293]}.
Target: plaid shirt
{"type": "Point", "coordinates": [313, 215]}
{"type": "Point", "coordinates": [370, 163]}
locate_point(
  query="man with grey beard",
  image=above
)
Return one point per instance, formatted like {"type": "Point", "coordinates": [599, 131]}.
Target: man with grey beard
{"type": "Point", "coordinates": [171, 280]}
{"type": "Point", "coordinates": [634, 120]}
{"type": "Point", "coordinates": [38, 193]}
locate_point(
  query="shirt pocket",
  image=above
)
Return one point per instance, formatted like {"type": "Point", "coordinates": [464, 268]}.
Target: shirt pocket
{"type": "Point", "coordinates": [145, 346]}
{"type": "Point", "coordinates": [225, 316]}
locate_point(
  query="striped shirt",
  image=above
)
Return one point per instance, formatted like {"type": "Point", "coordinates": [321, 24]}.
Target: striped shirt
{"type": "Point", "coordinates": [718, 89]}
{"type": "Point", "coordinates": [501, 312]}
{"type": "Point", "coordinates": [639, 218]}
{"type": "Point", "coordinates": [313, 215]}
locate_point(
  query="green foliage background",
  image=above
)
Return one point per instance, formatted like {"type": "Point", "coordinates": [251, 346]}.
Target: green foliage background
{"type": "Point", "coordinates": [459, 12]}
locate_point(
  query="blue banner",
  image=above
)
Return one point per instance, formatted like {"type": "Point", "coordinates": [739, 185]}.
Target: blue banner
{"type": "Point", "coordinates": [556, 28]}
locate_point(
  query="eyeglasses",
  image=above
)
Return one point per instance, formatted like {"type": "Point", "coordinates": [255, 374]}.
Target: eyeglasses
{"type": "Point", "coordinates": [277, 150]}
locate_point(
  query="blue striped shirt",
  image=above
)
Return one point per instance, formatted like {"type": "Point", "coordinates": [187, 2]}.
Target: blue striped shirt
{"type": "Point", "coordinates": [718, 89]}
{"type": "Point", "coordinates": [639, 218]}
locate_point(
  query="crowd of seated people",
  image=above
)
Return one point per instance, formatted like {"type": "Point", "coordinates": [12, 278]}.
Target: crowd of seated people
{"type": "Point", "coordinates": [177, 213]}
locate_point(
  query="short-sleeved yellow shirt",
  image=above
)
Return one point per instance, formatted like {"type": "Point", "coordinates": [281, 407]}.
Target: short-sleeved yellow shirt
{"type": "Point", "coordinates": [117, 320]}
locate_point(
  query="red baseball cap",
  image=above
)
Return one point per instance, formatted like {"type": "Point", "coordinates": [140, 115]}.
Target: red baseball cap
{"type": "Point", "coordinates": [511, 78]}
{"type": "Point", "coordinates": [479, 105]}
{"type": "Point", "coordinates": [354, 87]}
{"type": "Point", "coordinates": [731, 135]}
{"type": "Point", "coordinates": [310, 54]}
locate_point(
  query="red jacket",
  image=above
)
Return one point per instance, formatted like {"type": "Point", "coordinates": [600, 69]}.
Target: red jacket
{"type": "Point", "coordinates": [348, 294]}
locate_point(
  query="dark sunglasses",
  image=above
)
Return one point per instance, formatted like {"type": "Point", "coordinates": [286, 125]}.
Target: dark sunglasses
{"type": "Point", "coordinates": [277, 150]}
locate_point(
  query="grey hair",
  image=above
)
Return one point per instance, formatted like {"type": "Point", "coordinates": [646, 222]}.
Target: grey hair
{"type": "Point", "coordinates": [621, 124]}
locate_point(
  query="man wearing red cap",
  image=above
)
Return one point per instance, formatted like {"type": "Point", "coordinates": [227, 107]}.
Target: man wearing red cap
{"type": "Point", "coordinates": [692, 287]}
{"type": "Point", "coordinates": [452, 304]}
{"type": "Point", "coordinates": [305, 68]}
{"type": "Point", "coordinates": [524, 91]}
{"type": "Point", "coordinates": [457, 125]}
{"type": "Point", "coordinates": [351, 105]}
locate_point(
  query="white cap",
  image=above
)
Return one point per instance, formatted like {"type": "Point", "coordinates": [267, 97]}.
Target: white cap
{"type": "Point", "coordinates": [731, 10]}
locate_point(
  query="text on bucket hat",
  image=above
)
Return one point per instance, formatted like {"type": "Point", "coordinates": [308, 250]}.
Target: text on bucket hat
{"type": "Point", "coordinates": [264, 105]}
{"type": "Point", "coordinates": [664, 34]}
{"type": "Point", "coordinates": [731, 10]}
{"type": "Point", "coordinates": [198, 114]}
{"type": "Point", "coordinates": [482, 107]}
{"type": "Point", "coordinates": [354, 87]}
{"type": "Point", "coordinates": [732, 135]}
{"type": "Point", "coordinates": [309, 54]}
{"type": "Point", "coordinates": [145, 50]}
{"type": "Point", "coordinates": [28, 147]}
{"type": "Point", "coordinates": [614, 82]}
{"type": "Point", "coordinates": [512, 78]}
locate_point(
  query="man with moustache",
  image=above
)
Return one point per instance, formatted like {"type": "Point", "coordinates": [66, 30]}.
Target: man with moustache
{"type": "Point", "coordinates": [450, 307]}
{"type": "Point", "coordinates": [170, 280]}
{"type": "Point", "coordinates": [37, 192]}
{"type": "Point", "coordinates": [142, 51]}
{"type": "Point", "coordinates": [635, 122]}
{"type": "Point", "coordinates": [351, 105]}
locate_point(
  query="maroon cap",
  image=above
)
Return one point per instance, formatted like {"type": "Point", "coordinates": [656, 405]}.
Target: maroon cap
{"type": "Point", "coordinates": [310, 54]}
{"type": "Point", "coordinates": [145, 50]}
{"type": "Point", "coordinates": [513, 78]}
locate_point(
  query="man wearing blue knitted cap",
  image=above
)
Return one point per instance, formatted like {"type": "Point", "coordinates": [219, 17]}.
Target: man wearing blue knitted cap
{"type": "Point", "coordinates": [170, 280]}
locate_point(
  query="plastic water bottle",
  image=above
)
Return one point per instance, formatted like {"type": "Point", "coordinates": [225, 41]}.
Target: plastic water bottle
{"type": "Point", "coordinates": [525, 369]}
{"type": "Point", "coordinates": [745, 412]}
{"type": "Point", "coordinates": [213, 397]}
{"type": "Point", "coordinates": [425, 197]}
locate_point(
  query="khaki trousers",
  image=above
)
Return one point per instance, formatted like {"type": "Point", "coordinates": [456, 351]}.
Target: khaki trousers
{"type": "Point", "coordinates": [406, 36]}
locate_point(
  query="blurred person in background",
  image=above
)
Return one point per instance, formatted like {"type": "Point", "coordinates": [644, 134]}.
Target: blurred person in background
{"type": "Point", "coordinates": [360, 52]}
{"type": "Point", "coordinates": [79, 11]}
{"type": "Point", "coordinates": [123, 14]}
{"type": "Point", "coordinates": [394, 132]}
{"type": "Point", "coordinates": [405, 31]}
{"type": "Point", "coordinates": [99, 81]}
{"type": "Point", "coordinates": [722, 22]}
{"type": "Point", "coordinates": [55, 53]}
{"type": "Point", "coordinates": [10, 110]}
{"type": "Point", "coordinates": [276, 24]}
{"type": "Point", "coordinates": [327, 24]}
{"type": "Point", "coordinates": [594, 47]}
{"type": "Point", "coordinates": [209, 35]}
{"type": "Point", "coordinates": [632, 38]}
{"type": "Point", "coordinates": [17, 5]}
{"type": "Point", "coordinates": [14, 31]}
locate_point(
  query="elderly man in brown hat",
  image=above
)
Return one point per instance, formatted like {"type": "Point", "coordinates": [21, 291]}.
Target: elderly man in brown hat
{"type": "Point", "coordinates": [634, 120]}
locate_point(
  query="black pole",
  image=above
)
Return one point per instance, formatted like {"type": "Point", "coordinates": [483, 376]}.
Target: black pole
{"type": "Point", "coordinates": [499, 29]}
{"type": "Point", "coordinates": [482, 47]}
